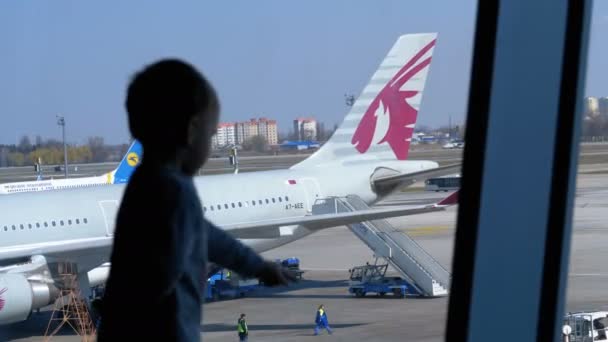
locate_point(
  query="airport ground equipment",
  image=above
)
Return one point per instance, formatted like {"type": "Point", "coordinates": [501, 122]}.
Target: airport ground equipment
{"type": "Point", "coordinates": [372, 279]}
{"type": "Point", "coordinates": [586, 326]}
{"type": "Point", "coordinates": [416, 266]}
{"type": "Point", "coordinates": [293, 265]}
{"type": "Point", "coordinates": [225, 284]}
{"type": "Point", "coordinates": [70, 308]}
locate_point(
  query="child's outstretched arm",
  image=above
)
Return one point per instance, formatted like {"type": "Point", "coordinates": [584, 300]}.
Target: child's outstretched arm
{"type": "Point", "coordinates": [226, 251]}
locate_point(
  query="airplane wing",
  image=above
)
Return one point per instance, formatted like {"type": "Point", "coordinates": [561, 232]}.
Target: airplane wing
{"type": "Point", "coordinates": [276, 228]}
{"type": "Point", "coordinates": [389, 183]}
{"type": "Point", "coordinates": [63, 249]}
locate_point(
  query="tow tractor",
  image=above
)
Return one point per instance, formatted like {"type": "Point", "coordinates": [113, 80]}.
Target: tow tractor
{"type": "Point", "coordinates": [586, 326]}
{"type": "Point", "coordinates": [373, 279]}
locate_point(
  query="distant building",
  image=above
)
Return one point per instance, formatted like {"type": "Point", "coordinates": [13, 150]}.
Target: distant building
{"type": "Point", "coordinates": [305, 128]}
{"type": "Point", "coordinates": [268, 129]}
{"type": "Point", "coordinates": [225, 134]}
{"type": "Point", "coordinates": [603, 106]}
{"type": "Point", "coordinates": [592, 107]}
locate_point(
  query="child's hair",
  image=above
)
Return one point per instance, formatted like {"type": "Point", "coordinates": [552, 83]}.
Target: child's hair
{"type": "Point", "coordinates": [163, 98]}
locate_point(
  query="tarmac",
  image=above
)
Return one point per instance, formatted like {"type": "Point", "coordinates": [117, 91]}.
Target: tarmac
{"type": "Point", "coordinates": [287, 314]}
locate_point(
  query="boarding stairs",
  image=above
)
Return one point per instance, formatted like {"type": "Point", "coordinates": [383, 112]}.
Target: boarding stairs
{"type": "Point", "coordinates": [417, 266]}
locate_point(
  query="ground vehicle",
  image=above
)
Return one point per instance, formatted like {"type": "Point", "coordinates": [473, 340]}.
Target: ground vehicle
{"type": "Point", "coordinates": [587, 326]}
{"type": "Point", "coordinates": [293, 265]}
{"type": "Point", "coordinates": [444, 183]}
{"type": "Point", "coordinates": [225, 284]}
{"type": "Point", "coordinates": [372, 278]}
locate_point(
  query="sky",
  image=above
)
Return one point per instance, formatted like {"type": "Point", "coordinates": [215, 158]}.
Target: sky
{"type": "Point", "coordinates": [278, 59]}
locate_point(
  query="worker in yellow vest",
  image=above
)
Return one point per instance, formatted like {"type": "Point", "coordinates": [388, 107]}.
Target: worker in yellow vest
{"type": "Point", "coordinates": [242, 328]}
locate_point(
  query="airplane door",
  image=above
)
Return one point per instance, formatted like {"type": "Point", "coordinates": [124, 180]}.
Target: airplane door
{"type": "Point", "coordinates": [109, 210]}
{"type": "Point", "coordinates": [313, 192]}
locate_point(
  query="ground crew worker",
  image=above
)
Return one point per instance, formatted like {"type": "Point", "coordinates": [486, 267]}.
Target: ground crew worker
{"type": "Point", "coordinates": [242, 328]}
{"type": "Point", "coordinates": [321, 321]}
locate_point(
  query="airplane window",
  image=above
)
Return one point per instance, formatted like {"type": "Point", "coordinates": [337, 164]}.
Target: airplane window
{"type": "Point", "coordinates": [267, 201]}
{"type": "Point", "coordinates": [211, 207]}
{"type": "Point", "coordinates": [29, 225]}
{"type": "Point", "coordinates": [37, 225]}
{"type": "Point", "coordinates": [61, 222]}
{"type": "Point", "coordinates": [273, 200]}
{"type": "Point", "coordinates": [233, 205]}
{"type": "Point", "coordinates": [14, 227]}
{"type": "Point", "coordinates": [219, 207]}
{"type": "Point", "coordinates": [280, 199]}
{"type": "Point", "coordinates": [5, 228]}
{"type": "Point", "coordinates": [46, 224]}
{"type": "Point", "coordinates": [286, 199]}
{"type": "Point", "coordinates": [84, 220]}
{"type": "Point", "coordinates": [70, 222]}
{"type": "Point", "coordinates": [240, 205]}
{"type": "Point", "coordinates": [53, 223]}
{"type": "Point", "coordinates": [21, 226]}
{"type": "Point", "coordinates": [226, 205]}
{"type": "Point", "coordinates": [204, 209]}
{"type": "Point", "coordinates": [260, 202]}
{"type": "Point", "coordinates": [77, 221]}
{"type": "Point", "coordinates": [253, 202]}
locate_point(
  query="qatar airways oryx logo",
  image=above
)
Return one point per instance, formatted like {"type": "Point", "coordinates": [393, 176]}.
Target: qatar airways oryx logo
{"type": "Point", "coordinates": [391, 105]}
{"type": "Point", "coordinates": [2, 301]}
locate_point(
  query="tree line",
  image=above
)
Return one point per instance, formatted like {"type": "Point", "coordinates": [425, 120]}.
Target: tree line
{"type": "Point", "coordinates": [50, 152]}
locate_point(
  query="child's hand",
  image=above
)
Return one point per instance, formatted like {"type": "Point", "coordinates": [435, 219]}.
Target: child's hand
{"type": "Point", "coordinates": [273, 274]}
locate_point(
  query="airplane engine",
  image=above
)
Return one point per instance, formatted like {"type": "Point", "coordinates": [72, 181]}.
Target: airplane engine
{"type": "Point", "coordinates": [18, 297]}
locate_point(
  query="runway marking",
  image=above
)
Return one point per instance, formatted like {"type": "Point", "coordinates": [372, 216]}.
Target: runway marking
{"type": "Point", "coordinates": [588, 275]}
{"type": "Point", "coordinates": [425, 231]}
{"type": "Point", "coordinates": [324, 269]}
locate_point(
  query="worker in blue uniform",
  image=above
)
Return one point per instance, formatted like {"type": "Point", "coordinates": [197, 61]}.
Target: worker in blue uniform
{"type": "Point", "coordinates": [321, 321]}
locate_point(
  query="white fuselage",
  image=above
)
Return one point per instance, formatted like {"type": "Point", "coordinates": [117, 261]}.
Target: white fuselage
{"type": "Point", "coordinates": [53, 184]}
{"type": "Point", "coordinates": [38, 220]}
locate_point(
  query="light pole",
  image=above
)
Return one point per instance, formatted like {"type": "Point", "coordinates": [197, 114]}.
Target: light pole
{"type": "Point", "coordinates": [61, 122]}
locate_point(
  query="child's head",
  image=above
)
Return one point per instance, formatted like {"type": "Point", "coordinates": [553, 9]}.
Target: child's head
{"type": "Point", "coordinates": [173, 111]}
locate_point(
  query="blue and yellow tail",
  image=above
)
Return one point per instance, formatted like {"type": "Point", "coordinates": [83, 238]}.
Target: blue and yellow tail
{"type": "Point", "coordinates": [127, 165]}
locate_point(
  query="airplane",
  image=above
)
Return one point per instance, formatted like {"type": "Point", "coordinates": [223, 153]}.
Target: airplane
{"type": "Point", "coordinates": [40, 234]}
{"type": "Point", "coordinates": [117, 176]}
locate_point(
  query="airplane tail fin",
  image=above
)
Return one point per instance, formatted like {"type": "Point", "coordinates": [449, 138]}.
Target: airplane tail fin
{"type": "Point", "coordinates": [127, 165]}
{"type": "Point", "coordinates": [381, 122]}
